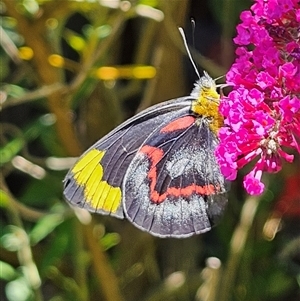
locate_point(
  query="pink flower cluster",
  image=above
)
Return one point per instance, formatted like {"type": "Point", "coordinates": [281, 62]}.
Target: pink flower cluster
{"type": "Point", "coordinates": [262, 112]}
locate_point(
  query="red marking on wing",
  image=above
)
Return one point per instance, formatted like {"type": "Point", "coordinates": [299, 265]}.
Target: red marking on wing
{"type": "Point", "coordinates": [178, 124]}
{"type": "Point", "coordinates": [155, 155]}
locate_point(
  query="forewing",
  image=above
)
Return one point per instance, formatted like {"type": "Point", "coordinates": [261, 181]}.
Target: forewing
{"type": "Point", "coordinates": [173, 187]}
{"type": "Point", "coordinates": [95, 181]}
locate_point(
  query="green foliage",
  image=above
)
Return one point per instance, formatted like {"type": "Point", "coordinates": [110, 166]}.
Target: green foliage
{"type": "Point", "coordinates": [55, 102]}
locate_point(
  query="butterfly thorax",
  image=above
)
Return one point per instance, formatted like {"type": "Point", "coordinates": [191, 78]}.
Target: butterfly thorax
{"type": "Point", "coordinates": [207, 100]}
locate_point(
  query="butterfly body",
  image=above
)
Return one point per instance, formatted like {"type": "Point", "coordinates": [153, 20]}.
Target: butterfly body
{"type": "Point", "coordinates": [158, 168]}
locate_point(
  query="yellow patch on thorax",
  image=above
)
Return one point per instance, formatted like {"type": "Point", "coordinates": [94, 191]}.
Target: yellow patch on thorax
{"type": "Point", "coordinates": [207, 105]}
{"type": "Point", "coordinates": [88, 173]}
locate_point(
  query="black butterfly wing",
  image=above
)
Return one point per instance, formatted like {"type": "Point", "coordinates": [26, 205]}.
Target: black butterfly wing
{"type": "Point", "coordinates": [95, 181]}
{"type": "Point", "coordinates": [173, 186]}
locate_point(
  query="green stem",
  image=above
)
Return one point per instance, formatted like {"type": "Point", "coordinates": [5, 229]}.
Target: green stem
{"type": "Point", "coordinates": [24, 251]}
{"type": "Point", "coordinates": [237, 246]}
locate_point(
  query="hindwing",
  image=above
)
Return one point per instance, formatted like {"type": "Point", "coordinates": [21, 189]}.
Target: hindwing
{"type": "Point", "coordinates": [173, 186]}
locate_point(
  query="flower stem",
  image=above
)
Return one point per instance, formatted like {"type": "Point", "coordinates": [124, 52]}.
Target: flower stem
{"type": "Point", "coordinates": [237, 246]}
{"type": "Point", "coordinates": [24, 251]}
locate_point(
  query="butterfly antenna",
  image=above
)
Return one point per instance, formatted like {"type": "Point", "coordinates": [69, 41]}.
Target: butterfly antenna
{"type": "Point", "coordinates": [188, 50]}
{"type": "Point", "coordinates": [193, 23]}
{"type": "Point", "coordinates": [219, 77]}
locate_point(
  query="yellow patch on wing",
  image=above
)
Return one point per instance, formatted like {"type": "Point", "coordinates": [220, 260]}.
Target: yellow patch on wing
{"type": "Point", "coordinates": [207, 105]}
{"type": "Point", "coordinates": [88, 173]}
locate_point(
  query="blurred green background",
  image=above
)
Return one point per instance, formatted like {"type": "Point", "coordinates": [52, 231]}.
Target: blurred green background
{"type": "Point", "coordinates": [70, 72]}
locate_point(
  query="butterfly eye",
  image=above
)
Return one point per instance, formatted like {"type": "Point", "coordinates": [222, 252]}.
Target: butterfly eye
{"type": "Point", "coordinates": [206, 83]}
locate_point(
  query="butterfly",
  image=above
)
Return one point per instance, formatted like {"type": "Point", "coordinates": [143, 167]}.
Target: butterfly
{"type": "Point", "coordinates": [158, 168]}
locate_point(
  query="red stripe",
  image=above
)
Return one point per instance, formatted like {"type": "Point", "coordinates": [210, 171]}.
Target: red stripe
{"type": "Point", "coordinates": [155, 155]}
{"type": "Point", "coordinates": [178, 124]}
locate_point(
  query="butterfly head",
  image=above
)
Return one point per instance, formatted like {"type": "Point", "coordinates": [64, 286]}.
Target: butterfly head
{"type": "Point", "coordinates": [207, 99]}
